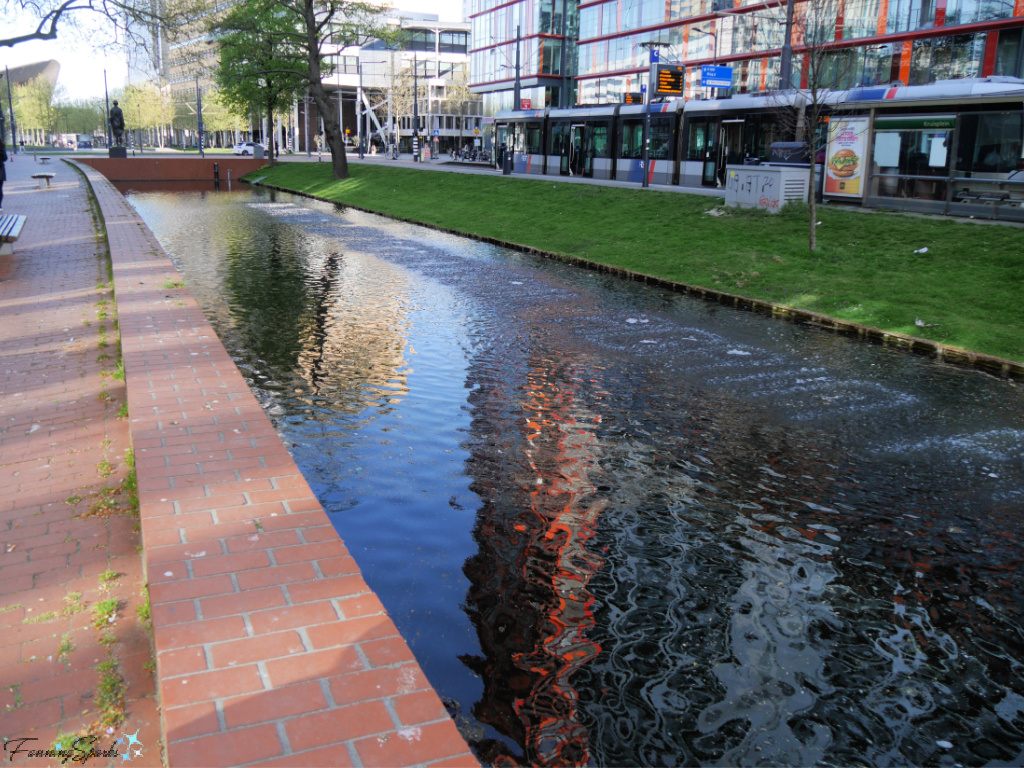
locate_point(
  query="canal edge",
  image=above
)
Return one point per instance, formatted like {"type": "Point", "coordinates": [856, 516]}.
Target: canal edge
{"type": "Point", "coordinates": [941, 353]}
{"type": "Point", "coordinates": [270, 647]}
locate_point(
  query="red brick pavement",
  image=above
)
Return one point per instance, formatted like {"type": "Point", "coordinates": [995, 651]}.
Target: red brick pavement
{"type": "Point", "coordinates": [270, 647]}
{"type": "Point", "coordinates": [61, 444]}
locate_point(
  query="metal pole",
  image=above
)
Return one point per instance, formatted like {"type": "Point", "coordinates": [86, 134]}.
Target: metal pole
{"type": "Point", "coordinates": [138, 109]}
{"type": "Point", "coordinates": [517, 101]}
{"type": "Point", "coordinates": [10, 103]}
{"type": "Point", "coordinates": [359, 107]}
{"type": "Point", "coordinates": [645, 142]}
{"type": "Point", "coordinates": [341, 119]}
{"type": "Point", "coordinates": [563, 94]}
{"type": "Point", "coordinates": [786, 58]}
{"type": "Point", "coordinates": [106, 97]}
{"type": "Point", "coordinates": [2, 129]}
{"type": "Point", "coordinates": [309, 148]}
{"type": "Point", "coordinates": [415, 109]}
{"type": "Point", "coordinates": [199, 118]}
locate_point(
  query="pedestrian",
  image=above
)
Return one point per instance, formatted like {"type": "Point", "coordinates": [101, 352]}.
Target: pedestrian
{"type": "Point", "coordinates": [3, 171]}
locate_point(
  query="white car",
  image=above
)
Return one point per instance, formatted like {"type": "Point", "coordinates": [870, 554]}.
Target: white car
{"type": "Point", "coordinates": [247, 148]}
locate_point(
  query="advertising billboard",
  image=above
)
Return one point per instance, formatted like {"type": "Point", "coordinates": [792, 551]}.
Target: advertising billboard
{"type": "Point", "coordinates": [844, 158]}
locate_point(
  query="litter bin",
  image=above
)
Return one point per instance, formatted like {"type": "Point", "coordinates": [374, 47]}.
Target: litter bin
{"type": "Point", "coordinates": [506, 162]}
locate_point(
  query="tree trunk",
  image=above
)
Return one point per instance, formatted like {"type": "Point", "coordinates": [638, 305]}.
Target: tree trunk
{"type": "Point", "coordinates": [812, 199]}
{"type": "Point", "coordinates": [270, 140]}
{"type": "Point", "coordinates": [329, 116]}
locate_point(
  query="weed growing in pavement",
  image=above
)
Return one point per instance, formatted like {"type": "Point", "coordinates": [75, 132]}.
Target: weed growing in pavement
{"type": "Point", "coordinates": [72, 604]}
{"type": "Point", "coordinates": [174, 284]}
{"type": "Point", "coordinates": [66, 647]}
{"type": "Point", "coordinates": [72, 500]}
{"type": "Point", "coordinates": [144, 610]}
{"type": "Point", "coordinates": [104, 612]}
{"type": "Point", "coordinates": [110, 692]}
{"type": "Point", "coordinates": [105, 468]}
{"type": "Point", "coordinates": [16, 690]}
{"type": "Point", "coordinates": [109, 575]}
{"type": "Point", "coordinates": [42, 618]}
{"type": "Point", "coordinates": [14, 607]}
{"type": "Point", "coordinates": [123, 411]}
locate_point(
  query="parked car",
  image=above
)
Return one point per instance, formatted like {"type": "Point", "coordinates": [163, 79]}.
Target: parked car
{"type": "Point", "coordinates": [247, 148]}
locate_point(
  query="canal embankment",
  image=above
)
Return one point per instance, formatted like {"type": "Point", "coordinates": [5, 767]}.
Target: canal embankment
{"type": "Point", "coordinates": [269, 646]}
{"type": "Point", "coordinates": [936, 286]}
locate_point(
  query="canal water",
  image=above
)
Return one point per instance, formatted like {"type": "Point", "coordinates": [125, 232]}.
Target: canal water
{"type": "Point", "coordinates": [619, 526]}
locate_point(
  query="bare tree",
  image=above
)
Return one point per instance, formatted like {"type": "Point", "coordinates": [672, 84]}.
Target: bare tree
{"type": "Point", "coordinates": [130, 23]}
{"type": "Point", "coordinates": [804, 104]}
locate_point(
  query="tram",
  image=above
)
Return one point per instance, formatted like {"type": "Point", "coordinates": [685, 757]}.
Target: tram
{"type": "Point", "coordinates": [953, 146]}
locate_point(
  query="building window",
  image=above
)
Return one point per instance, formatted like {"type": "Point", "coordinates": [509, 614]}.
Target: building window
{"type": "Point", "coordinates": [1009, 53]}
{"type": "Point", "coordinates": [454, 42]}
{"type": "Point", "coordinates": [421, 40]}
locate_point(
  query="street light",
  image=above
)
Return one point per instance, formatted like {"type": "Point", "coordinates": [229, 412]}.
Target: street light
{"type": "Point", "coordinates": [199, 117]}
{"type": "Point", "coordinates": [652, 46]}
{"type": "Point", "coordinates": [714, 52]}
{"type": "Point", "coordinates": [359, 103]}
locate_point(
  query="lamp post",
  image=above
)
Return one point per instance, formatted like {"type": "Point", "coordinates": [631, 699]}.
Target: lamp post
{"type": "Point", "coordinates": [786, 57]}
{"type": "Point", "coordinates": [714, 51]}
{"type": "Point", "coordinates": [517, 91]}
{"type": "Point", "coordinates": [652, 46]}
{"type": "Point", "coordinates": [415, 109]}
{"type": "Point", "coordinates": [10, 104]}
{"type": "Point", "coordinates": [199, 117]}
{"type": "Point", "coordinates": [138, 109]}
{"type": "Point", "coordinates": [106, 97]}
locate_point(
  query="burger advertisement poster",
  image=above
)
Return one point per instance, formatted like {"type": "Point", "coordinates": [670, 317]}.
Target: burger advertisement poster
{"type": "Point", "coordinates": [844, 160]}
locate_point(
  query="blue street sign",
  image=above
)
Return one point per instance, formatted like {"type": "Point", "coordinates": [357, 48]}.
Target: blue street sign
{"type": "Point", "coordinates": [643, 87]}
{"type": "Point", "coordinates": [654, 56]}
{"type": "Point", "coordinates": [715, 77]}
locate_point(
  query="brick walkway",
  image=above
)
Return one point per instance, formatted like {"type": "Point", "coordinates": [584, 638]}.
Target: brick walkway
{"type": "Point", "coordinates": [270, 647]}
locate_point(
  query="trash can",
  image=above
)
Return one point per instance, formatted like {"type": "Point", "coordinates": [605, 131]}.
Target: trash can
{"type": "Point", "coordinates": [506, 162]}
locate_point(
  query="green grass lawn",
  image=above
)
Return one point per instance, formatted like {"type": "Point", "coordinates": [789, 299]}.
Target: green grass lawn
{"type": "Point", "coordinates": [969, 283]}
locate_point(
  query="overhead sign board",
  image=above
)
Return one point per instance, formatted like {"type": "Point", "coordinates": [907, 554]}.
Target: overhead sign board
{"type": "Point", "coordinates": [669, 80]}
{"type": "Point", "coordinates": [632, 98]}
{"type": "Point", "coordinates": [712, 76]}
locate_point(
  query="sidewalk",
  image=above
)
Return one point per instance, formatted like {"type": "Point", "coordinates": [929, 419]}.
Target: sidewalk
{"type": "Point", "coordinates": [270, 648]}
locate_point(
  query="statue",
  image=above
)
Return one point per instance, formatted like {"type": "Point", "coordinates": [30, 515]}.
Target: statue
{"type": "Point", "coordinates": [117, 124]}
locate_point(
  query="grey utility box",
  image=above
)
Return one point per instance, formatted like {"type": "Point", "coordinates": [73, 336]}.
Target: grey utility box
{"type": "Point", "coordinates": [765, 186]}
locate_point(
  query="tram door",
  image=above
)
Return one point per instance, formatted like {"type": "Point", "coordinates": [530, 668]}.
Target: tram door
{"type": "Point", "coordinates": [730, 147]}
{"type": "Point", "coordinates": [581, 161]}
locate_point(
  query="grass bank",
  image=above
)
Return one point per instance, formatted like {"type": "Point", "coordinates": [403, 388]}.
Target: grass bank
{"type": "Point", "coordinates": [867, 269]}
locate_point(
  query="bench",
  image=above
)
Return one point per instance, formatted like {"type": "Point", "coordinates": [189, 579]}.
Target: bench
{"type": "Point", "coordinates": [44, 160]}
{"type": "Point", "coordinates": [10, 230]}
{"type": "Point", "coordinates": [43, 177]}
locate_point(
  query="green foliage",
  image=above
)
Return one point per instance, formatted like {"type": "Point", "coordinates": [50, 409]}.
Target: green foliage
{"type": "Point", "coordinates": [263, 66]}
{"type": "Point", "coordinates": [865, 269]}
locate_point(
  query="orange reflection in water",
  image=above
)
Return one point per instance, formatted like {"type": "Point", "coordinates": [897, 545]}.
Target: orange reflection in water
{"type": "Point", "coordinates": [529, 598]}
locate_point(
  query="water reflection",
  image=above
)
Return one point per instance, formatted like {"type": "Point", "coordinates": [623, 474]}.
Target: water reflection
{"type": "Point", "coordinates": [619, 527]}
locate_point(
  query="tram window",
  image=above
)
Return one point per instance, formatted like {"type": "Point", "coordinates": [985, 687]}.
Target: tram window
{"type": "Point", "coordinates": [532, 134]}
{"type": "Point", "coordinates": [990, 142]}
{"type": "Point", "coordinates": [661, 138]}
{"type": "Point", "coordinates": [559, 139]}
{"type": "Point", "coordinates": [699, 139]}
{"type": "Point", "coordinates": [599, 141]}
{"type": "Point", "coordinates": [632, 139]}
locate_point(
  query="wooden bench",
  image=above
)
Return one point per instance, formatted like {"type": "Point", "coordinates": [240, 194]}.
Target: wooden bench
{"type": "Point", "coordinates": [10, 230]}
{"type": "Point", "coordinates": [43, 177]}
{"type": "Point", "coordinates": [44, 160]}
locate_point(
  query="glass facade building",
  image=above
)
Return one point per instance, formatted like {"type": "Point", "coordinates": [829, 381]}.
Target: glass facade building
{"type": "Point", "coordinates": [869, 42]}
{"type": "Point", "coordinates": [534, 33]}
